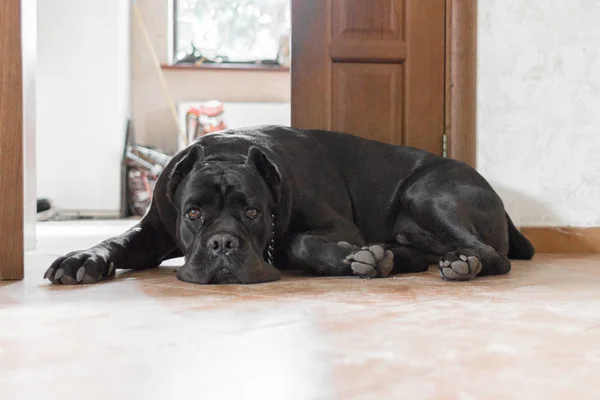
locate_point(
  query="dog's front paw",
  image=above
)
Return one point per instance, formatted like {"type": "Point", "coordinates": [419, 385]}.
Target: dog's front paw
{"type": "Point", "coordinates": [87, 266]}
{"type": "Point", "coordinates": [373, 261]}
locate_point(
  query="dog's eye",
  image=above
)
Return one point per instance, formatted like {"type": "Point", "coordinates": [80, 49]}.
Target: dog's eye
{"type": "Point", "coordinates": [194, 214]}
{"type": "Point", "coordinates": [251, 213]}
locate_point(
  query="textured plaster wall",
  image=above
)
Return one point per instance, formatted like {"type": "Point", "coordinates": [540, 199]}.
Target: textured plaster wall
{"type": "Point", "coordinates": [539, 108]}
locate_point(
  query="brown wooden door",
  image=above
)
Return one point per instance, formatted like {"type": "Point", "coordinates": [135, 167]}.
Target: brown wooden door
{"type": "Point", "coordinates": [374, 68]}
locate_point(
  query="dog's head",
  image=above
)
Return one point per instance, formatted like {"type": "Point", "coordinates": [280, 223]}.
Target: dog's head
{"type": "Point", "coordinates": [225, 220]}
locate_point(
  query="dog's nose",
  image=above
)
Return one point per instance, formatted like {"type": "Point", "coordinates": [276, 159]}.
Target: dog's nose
{"type": "Point", "coordinates": [223, 243]}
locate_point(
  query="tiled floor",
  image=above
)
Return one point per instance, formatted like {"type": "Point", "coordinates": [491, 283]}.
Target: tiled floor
{"type": "Point", "coordinates": [533, 334]}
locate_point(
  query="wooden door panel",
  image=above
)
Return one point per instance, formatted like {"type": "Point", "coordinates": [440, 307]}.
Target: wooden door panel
{"type": "Point", "coordinates": [311, 65]}
{"type": "Point", "coordinates": [374, 68]}
{"type": "Point", "coordinates": [373, 89]}
{"type": "Point", "coordinates": [372, 19]}
{"type": "Point", "coordinates": [367, 31]}
{"type": "Point", "coordinates": [376, 51]}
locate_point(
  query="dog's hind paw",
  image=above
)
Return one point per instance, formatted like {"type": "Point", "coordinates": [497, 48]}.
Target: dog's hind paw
{"type": "Point", "coordinates": [459, 267]}
{"type": "Point", "coordinates": [373, 261]}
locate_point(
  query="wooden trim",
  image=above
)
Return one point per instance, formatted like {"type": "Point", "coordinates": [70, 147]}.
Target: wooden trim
{"type": "Point", "coordinates": [461, 79]}
{"type": "Point", "coordinates": [311, 65]}
{"type": "Point", "coordinates": [226, 67]}
{"type": "Point", "coordinates": [379, 51]}
{"type": "Point", "coordinates": [11, 142]}
{"type": "Point", "coordinates": [563, 239]}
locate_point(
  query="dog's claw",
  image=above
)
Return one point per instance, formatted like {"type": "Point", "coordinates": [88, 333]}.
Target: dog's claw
{"type": "Point", "coordinates": [49, 272]}
{"type": "Point", "coordinates": [59, 274]}
{"type": "Point", "coordinates": [111, 269]}
{"type": "Point", "coordinates": [346, 245]}
{"type": "Point", "coordinates": [80, 274]}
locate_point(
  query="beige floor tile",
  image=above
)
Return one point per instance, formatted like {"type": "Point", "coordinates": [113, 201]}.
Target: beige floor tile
{"type": "Point", "coordinates": [532, 334]}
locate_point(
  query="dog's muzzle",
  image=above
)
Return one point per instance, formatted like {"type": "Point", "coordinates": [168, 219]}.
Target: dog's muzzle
{"type": "Point", "coordinates": [226, 258]}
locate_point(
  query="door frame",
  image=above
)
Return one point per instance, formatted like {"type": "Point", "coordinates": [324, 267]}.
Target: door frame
{"type": "Point", "coordinates": [461, 80]}
{"type": "Point", "coordinates": [11, 143]}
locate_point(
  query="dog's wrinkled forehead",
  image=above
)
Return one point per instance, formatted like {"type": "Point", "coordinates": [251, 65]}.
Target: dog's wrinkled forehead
{"type": "Point", "coordinates": [217, 182]}
{"type": "Point", "coordinates": [255, 175]}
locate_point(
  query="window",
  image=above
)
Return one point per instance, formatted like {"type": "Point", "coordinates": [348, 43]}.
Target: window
{"type": "Point", "coordinates": [226, 31]}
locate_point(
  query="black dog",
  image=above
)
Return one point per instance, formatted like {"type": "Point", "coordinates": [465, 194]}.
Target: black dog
{"type": "Point", "coordinates": [325, 202]}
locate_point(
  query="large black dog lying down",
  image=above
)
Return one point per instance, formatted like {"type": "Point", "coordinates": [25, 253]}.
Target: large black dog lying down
{"type": "Point", "coordinates": [242, 203]}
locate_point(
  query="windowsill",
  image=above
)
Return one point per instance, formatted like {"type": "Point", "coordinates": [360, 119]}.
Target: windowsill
{"type": "Point", "coordinates": [227, 67]}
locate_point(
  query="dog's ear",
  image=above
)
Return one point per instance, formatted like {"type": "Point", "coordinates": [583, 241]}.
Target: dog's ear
{"type": "Point", "coordinates": [182, 168]}
{"type": "Point", "coordinates": [267, 170]}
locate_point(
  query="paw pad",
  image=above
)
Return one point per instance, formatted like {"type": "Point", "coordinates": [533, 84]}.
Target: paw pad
{"type": "Point", "coordinates": [372, 261]}
{"type": "Point", "coordinates": [463, 269]}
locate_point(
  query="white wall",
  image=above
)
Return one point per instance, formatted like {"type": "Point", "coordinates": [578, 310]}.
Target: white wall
{"type": "Point", "coordinates": [83, 97]}
{"type": "Point", "coordinates": [29, 49]}
{"type": "Point", "coordinates": [539, 108]}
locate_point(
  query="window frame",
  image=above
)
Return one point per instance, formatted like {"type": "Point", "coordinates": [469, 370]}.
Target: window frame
{"type": "Point", "coordinates": [222, 66]}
